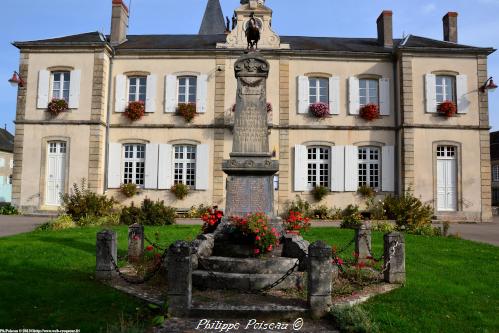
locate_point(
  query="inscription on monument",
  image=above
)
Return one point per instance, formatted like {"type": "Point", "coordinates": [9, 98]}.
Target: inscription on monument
{"type": "Point", "coordinates": [249, 194]}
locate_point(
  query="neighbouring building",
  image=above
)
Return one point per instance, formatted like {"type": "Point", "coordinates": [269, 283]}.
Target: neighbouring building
{"type": "Point", "coordinates": [6, 164]}
{"type": "Point", "coordinates": [494, 159]}
{"type": "Point", "coordinates": [411, 147]}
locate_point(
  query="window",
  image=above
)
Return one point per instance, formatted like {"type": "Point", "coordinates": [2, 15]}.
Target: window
{"type": "Point", "coordinates": [11, 163]}
{"type": "Point", "coordinates": [10, 179]}
{"type": "Point", "coordinates": [445, 87]}
{"type": "Point", "coordinates": [137, 88]}
{"type": "Point", "coordinates": [187, 89]}
{"type": "Point", "coordinates": [495, 196]}
{"type": "Point", "coordinates": [185, 165]}
{"type": "Point", "coordinates": [369, 167]}
{"type": "Point", "coordinates": [319, 90]}
{"type": "Point", "coordinates": [495, 173]}
{"type": "Point", "coordinates": [318, 166]}
{"type": "Point", "coordinates": [446, 151]}
{"type": "Point", "coordinates": [57, 147]}
{"type": "Point", "coordinates": [134, 164]}
{"type": "Point", "coordinates": [60, 85]}
{"type": "Point", "coordinates": [368, 92]}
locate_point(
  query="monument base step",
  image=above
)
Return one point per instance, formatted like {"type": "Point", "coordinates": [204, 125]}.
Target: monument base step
{"type": "Point", "coordinates": [248, 282]}
{"type": "Point", "coordinates": [274, 311]}
{"type": "Point", "coordinates": [277, 265]}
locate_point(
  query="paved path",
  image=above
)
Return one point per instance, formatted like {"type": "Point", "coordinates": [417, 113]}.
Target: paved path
{"type": "Point", "coordinates": [480, 232]}
{"type": "Point", "coordinates": [13, 225]}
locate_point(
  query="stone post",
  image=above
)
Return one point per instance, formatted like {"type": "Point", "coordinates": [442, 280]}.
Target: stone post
{"type": "Point", "coordinates": [363, 243]}
{"type": "Point", "coordinates": [135, 242]}
{"type": "Point", "coordinates": [106, 249]}
{"type": "Point", "coordinates": [179, 279]}
{"type": "Point", "coordinates": [320, 272]}
{"type": "Point", "coordinates": [395, 270]}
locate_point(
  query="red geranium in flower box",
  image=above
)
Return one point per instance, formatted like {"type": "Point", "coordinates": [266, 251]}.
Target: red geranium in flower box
{"type": "Point", "coordinates": [57, 106]}
{"type": "Point", "coordinates": [135, 110]}
{"type": "Point", "coordinates": [447, 109]}
{"type": "Point", "coordinates": [319, 110]}
{"type": "Point", "coordinates": [369, 112]}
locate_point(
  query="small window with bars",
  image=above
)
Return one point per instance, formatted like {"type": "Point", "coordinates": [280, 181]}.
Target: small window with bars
{"type": "Point", "coordinates": [134, 164]}
{"type": "Point", "coordinates": [369, 167]}
{"type": "Point", "coordinates": [446, 151]}
{"type": "Point", "coordinates": [185, 165]}
{"type": "Point", "coordinates": [318, 166]}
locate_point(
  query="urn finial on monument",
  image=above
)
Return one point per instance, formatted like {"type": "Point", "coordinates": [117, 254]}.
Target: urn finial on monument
{"type": "Point", "coordinates": [250, 169]}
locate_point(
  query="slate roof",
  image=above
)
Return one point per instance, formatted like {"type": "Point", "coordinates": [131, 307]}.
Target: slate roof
{"type": "Point", "coordinates": [297, 43]}
{"type": "Point", "coordinates": [6, 141]}
{"type": "Point", "coordinates": [213, 19]}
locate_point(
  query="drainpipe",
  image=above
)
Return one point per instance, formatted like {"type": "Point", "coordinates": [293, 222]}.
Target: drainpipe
{"type": "Point", "coordinates": [398, 146]}
{"type": "Point", "coordinates": [108, 120]}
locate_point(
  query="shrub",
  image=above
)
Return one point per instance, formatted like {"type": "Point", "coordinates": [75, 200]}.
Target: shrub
{"type": "Point", "coordinates": [57, 106]}
{"type": "Point", "coordinates": [61, 222]}
{"type": "Point", "coordinates": [322, 212]}
{"type": "Point", "coordinates": [129, 190]}
{"type": "Point", "coordinates": [383, 226]}
{"type": "Point", "coordinates": [369, 112]}
{"type": "Point", "coordinates": [445, 228]}
{"type": "Point", "coordinates": [180, 190]}
{"type": "Point", "coordinates": [211, 219]}
{"type": "Point", "coordinates": [110, 220]}
{"type": "Point", "coordinates": [296, 222]}
{"type": "Point", "coordinates": [376, 209]}
{"type": "Point", "coordinates": [353, 319]}
{"type": "Point", "coordinates": [320, 192]}
{"type": "Point", "coordinates": [149, 213]}
{"type": "Point", "coordinates": [187, 110]}
{"type": "Point", "coordinates": [255, 228]}
{"type": "Point", "coordinates": [298, 205]}
{"type": "Point", "coordinates": [408, 211]}
{"type": "Point", "coordinates": [135, 110]}
{"type": "Point", "coordinates": [366, 191]}
{"type": "Point", "coordinates": [8, 209]}
{"type": "Point", "coordinates": [425, 230]}
{"type": "Point", "coordinates": [352, 217]}
{"type": "Point", "coordinates": [81, 202]}
{"type": "Point", "coordinates": [196, 212]}
{"type": "Point", "coordinates": [319, 110]}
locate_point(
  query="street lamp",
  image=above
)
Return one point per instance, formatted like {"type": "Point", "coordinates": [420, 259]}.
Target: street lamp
{"type": "Point", "coordinates": [16, 80]}
{"type": "Point", "coordinates": [489, 85]}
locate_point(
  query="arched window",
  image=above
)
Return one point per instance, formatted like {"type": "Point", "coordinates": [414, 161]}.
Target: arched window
{"type": "Point", "coordinates": [319, 90]}
{"type": "Point", "coordinates": [137, 88]}
{"type": "Point", "coordinates": [187, 89]}
{"type": "Point", "coordinates": [369, 167]}
{"type": "Point", "coordinates": [368, 91]}
{"type": "Point", "coordinates": [318, 166]}
{"type": "Point", "coordinates": [134, 164]}
{"type": "Point", "coordinates": [60, 85]}
{"type": "Point", "coordinates": [445, 88]}
{"type": "Point", "coordinates": [185, 165]}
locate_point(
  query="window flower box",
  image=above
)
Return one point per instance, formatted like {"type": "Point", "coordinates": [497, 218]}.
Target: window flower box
{"type": "Point", "coordinates": [57, 106]}
{"type": "Point", "coordinates": [319, 110]}
{"type": "Point", "coordinates": [135, 110]}
{"type": "Point", "coordinates": [187, 111]}
{"type": "Point", "coordinates": [447, 109]}
{"type": "Point", "coordinates": [369, 112]}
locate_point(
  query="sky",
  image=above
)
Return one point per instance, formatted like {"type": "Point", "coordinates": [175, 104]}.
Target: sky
{"type": "Point", "coordinates": [39, 19]}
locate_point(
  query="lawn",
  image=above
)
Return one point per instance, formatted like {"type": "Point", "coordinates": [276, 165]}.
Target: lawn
{"type": "Point", "coordinates": [46, 281]}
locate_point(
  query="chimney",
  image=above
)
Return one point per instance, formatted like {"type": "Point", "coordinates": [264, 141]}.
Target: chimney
{"type": "Point", "coordinates": [385, 28]}
{"type": "Point", "coordinates": [119, 22]}
{"type": "Point", "coordinates": [450, 27]}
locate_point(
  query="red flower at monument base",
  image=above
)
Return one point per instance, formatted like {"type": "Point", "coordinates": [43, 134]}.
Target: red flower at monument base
{"type": "Point", "coordinates": [296, 222]}
{"type": "Point", "coordinates": [211, 220]}
{"type": "Point", "coordinates": [255, 228]}
{"type": "Point", "coordinates": [149, 248]}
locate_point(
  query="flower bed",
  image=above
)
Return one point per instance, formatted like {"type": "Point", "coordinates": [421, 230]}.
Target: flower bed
{"type": "Point", "coordinates": [319, 110]}
{"type": "Point", "coordinates": [369, 112]}
{"type": "Point", "coordinates": [255, 228]}
{"type": "Point", "coordinates": [57, 106]}
{"type": "Point", "coordinates": [447, 109]}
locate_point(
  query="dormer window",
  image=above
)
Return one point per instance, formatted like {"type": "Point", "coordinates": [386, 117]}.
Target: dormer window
{"type": "Point", "coordinates": [60, 85]}
{"type": "Point", "coordinates": [137, 88]}
{"type": "Point", "coordinates": [445, 88]}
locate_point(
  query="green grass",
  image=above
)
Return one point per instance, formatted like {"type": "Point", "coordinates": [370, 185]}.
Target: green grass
{"type": "Point", "coordinates": [46, 281]}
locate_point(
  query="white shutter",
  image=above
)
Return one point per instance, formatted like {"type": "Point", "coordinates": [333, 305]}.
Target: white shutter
{"type": "Point", "coordinates": [300, 168]}
{"type": "Point", "coordinates": [114, 165]}
{"type": "Point", "coordinates": [303, 95]}
{"type": "Point", "coordinates": [353, 95]}
{"type": "Point", "coordinates": [334, 95]}
{"type": "Point", "coordinates": [43, 89]}
{"type": "Point", "coordinates": [463, 103]}
{"type": "Point", "coordinates": [120, 94]}
{"type": "Point", "coordinates": [151, 89]}
{"type": "Point", "coordinates": [151, 168]}
{"type": "Point", "coordinates": [431, 93]}
{"type": "Point", "coordinates": [388, 169]}
{"type": "Point", "coordinates": [351, 168]}
{"type": "Point", "coordinates": [337, 168]}
{"type": "Point", "coordinates": [202, 167]}
{"type": "Point", "coordinates": [165, 167]}
{"type": "Point", "coordinates": [74, 89]}
{"type": "Point", "coordinates": [384, 97]}
{"type": "Point", "coordinates": [202, 93]}
{"type": "Point", "coordinates": [170, 93]}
